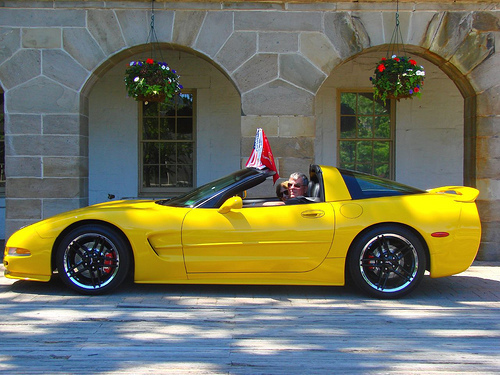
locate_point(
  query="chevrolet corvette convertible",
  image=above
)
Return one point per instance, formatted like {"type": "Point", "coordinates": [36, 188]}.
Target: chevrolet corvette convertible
{"type": "Point", "coordinates": [379, 234]}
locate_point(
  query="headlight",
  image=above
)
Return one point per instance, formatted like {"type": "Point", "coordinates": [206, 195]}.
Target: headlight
{"type": "Point", "coordinates": [17, 251]}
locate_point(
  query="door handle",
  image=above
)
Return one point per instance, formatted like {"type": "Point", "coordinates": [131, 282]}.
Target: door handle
{"type": "Point", "coordinates": [313, 214]}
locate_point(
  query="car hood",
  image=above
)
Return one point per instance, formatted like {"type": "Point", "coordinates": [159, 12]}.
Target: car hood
{"type": "Point", "coordinates": [110, 206]}
{"type": "Point", "coordinates": [123, 214]}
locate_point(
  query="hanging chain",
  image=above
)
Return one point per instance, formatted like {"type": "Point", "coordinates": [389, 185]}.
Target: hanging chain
{"type": "Point", "coordinates": [152, 38]}
{"type": "Point", "coordinates": [396, 38]}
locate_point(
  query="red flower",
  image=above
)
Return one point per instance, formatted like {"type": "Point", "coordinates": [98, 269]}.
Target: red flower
{"type": "Point", "coordinates": [416, 89]}
{"type": "Point", "coordinates": [383, 59]}
{"type": "Point", "coordinates": [396, 59]}
{"type": "Point", "coordinates": [381, 67]}
{"type": "Point", "coordinates": [150, 61]}
{"type": "Point", "coordinates": [412, 62]}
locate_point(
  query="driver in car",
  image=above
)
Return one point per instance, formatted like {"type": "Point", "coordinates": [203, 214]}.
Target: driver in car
{"type": "Point", "coordinates": [292, 191]}
{"type": "Point", "coordinates": [297, 189]}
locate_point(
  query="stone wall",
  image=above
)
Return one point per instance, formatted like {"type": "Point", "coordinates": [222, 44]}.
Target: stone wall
{"type": "Point", "coordinates": [277, 55]}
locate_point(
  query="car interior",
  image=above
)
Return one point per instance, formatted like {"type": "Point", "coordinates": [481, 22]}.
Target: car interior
{"type": "Point", "coordinates": [314, 194]}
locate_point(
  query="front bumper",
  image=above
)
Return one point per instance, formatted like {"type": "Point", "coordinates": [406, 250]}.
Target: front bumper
{"type": "Point", "coordinates": [35, 266]}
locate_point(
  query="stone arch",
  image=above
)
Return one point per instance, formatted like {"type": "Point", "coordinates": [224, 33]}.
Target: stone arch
{"type": "Point", "coordinates": [466, 89]}
{"type": "Point", "coordinates": [458, 43]}
{"type": "Point", "coordinates": [432, 122]}
{"type": "Point", "coordinates": [217, 98]}
{"type": "Point", "coordinates": [120, 57]}
{"type": "Point", "coordinates": [112, 34]}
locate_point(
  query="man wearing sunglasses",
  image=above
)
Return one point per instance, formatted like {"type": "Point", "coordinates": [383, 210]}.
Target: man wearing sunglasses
{"type": "Point", "coordinates": [292, 192]}
{"type": "Point", "coordinates": [297, 189]}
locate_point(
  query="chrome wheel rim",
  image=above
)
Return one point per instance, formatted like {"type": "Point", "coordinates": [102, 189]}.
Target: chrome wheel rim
{"type": "Point", "coordinates": [91, 261]}
{"type": "Point", "coordinates": [389, 263]}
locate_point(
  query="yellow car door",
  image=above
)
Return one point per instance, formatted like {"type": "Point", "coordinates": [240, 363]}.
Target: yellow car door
{"type": "Point", "coordinates": [294, 238]}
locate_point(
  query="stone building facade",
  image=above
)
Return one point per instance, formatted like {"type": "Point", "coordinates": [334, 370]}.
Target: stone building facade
{"type": "Point", "coordinates": [71, 132]}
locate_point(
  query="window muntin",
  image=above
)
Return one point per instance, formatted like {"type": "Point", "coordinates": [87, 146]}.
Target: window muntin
{"type": "Point", "coordinates": [167, 145]}
{"type": "Point", "coordinates": [365, 136]}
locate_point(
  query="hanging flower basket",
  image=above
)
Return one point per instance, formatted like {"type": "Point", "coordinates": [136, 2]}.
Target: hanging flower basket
{"type": "Point", "coordinates": [151, 80]}
{"type": "Point", "coordinates": [397, 78]}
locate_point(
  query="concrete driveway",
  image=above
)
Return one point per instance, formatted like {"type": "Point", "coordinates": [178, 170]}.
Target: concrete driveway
{"type": "Point", "coordinates": [447, 325]}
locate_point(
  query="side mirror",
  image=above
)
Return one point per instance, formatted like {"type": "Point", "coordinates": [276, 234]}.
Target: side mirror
{"type": "Point", "coordinates": [233, 203]}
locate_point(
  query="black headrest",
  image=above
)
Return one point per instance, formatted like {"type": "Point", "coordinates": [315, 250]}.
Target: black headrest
{"type": "Point", "coordinates": [313, 189]}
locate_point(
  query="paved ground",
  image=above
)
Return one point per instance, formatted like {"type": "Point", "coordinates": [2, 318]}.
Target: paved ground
{"type": "Point", "coordinates": [447, 326]}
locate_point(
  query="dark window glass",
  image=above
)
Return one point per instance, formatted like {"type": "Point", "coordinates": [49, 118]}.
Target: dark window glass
{"type": "Point", "coordinates": [167, 144]}
{"type": "Point", "coordinates": [363, 186]}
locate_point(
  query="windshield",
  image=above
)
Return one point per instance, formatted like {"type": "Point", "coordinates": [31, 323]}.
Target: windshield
{"type": "Point", "coordinates": [206, 191]}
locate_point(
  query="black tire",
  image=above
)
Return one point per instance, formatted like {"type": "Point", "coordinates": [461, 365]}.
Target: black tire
{"type": "Point", "coordinates": [387, 261]}
{"type": "Point", "coordinates": [93, 259]}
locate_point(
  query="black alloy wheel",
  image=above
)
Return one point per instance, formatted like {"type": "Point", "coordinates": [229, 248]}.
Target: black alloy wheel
{"type": "Point", "coordinates": [387, 262]}
{"type": "Point", "coordinates": [93, 259]}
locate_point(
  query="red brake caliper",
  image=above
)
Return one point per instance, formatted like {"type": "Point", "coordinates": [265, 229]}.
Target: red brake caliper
{"type": "Point", "coordinates": [108, 262]}
{"type": "Point", "coordinates": [370, 256]}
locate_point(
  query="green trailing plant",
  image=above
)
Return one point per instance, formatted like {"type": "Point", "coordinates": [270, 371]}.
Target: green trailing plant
{"type": "Point", "coordinates": [397, 78]}
{"type": "Point", "coordinates": [151, 80]}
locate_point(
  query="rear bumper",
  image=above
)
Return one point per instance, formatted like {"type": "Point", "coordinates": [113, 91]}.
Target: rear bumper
{"type": "Point", "coordinates": [458, 255]}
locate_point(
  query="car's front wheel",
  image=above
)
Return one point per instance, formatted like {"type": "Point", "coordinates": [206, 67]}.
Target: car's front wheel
{"type": "Point", "coordinates": [93, 259]}
{"type": "Point", "coordinates": [387, 261]}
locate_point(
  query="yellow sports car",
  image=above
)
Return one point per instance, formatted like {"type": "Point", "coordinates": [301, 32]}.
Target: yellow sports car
{"type": "Point", "coordinates": [382, 234]}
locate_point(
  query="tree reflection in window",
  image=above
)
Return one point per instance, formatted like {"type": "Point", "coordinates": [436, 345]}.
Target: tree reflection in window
{"type": "Point", "coordinates": [167, 144]}
{"type": "Point", "coordinates": [365, 141]}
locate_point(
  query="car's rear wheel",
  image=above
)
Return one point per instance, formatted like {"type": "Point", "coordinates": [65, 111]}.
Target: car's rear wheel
{"type": "Point", "coordinates": [387, 261]}
{"type": "Point", "coordinates": [93, 259]}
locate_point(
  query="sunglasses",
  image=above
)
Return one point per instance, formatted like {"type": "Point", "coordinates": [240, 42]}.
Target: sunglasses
{"type": "Point", "coordinates": [291, 186]}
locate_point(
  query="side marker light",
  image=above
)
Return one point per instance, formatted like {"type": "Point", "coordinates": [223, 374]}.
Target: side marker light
{"type": "Point", "coordinates": [16, 251]}
{"type": "Point", "coordinates": [440, 234]}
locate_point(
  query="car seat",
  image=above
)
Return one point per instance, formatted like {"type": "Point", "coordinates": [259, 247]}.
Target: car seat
{"type": "Point", "coordinates": [313, 189]}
